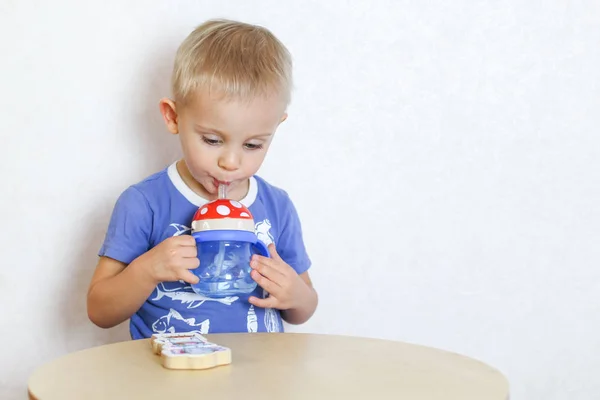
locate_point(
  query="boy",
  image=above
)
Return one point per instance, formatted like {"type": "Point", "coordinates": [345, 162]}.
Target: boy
{"type": "Point", "coordinates": [231, 87]}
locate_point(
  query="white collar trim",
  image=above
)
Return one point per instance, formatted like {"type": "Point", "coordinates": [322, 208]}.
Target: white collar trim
{"type": "Point", "coordinates": [198, 200]}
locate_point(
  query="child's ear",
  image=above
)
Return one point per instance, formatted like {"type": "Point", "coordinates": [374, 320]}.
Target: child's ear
{"type": "Point", "coordinates": [285, 115]}
{"type": "Point", "coordinates": [169, 113]}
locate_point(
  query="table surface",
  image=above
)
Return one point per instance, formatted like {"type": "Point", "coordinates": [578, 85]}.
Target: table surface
{"type": "Point", "coordinates": [273, 366]}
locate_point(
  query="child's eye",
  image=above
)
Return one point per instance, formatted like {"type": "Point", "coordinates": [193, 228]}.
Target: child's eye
{"type": "Point", "coordinates": [212, 142]}
{"type": "Point", "coordinates": [253, 146]}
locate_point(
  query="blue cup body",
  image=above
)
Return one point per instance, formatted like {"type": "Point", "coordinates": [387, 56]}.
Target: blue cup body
{"type": "Point", "coordinates": [225, 262]}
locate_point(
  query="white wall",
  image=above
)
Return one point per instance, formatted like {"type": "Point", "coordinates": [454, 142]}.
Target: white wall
{"type": "Point", "coordinates": [445, 163]}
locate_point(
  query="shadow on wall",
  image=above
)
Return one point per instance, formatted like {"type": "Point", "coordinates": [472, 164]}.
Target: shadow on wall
{"type": "Point", "coordinates": [155, 148]}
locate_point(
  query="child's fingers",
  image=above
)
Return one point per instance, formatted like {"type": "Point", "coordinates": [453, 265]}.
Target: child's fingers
{"type": "Point", "coordinates": [265, 283]}
{"type": "Point", "coordinates": [274, 262]}
{"type": "Point", "coordinates": [188, 277]}
{"type": "Point", "coordinates": [190, 263]}
{"type": "Point", "coordinates": [183, 240]}
{"type": "Point", "coordinates": [273, 252]}
{"type": "Point", "coordinates": [267, 267]}
{"type": "Point", "coordinates": [269, 302]}
{"type": "Point", "coordinates": [188, 252]}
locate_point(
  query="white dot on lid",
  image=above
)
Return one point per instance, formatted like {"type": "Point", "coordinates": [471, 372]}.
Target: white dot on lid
{"type": "Point", "coordinates": [244, 214]}
{"type": "Point", "coordinates": [204, 211]}
{"type": "Point", "coordinates": [236, 204]}
{"type": "Point", "coordinates": [223, 210]}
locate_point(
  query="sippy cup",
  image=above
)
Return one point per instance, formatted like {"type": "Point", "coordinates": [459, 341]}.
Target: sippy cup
{"type": "Point", "coordinates": [226, 241]}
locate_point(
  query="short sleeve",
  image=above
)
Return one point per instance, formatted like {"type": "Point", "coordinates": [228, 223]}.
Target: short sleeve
{"type": "Point", "coordinates": [290, 245]}
{"type": "Point", "coordinates": [129, 229]}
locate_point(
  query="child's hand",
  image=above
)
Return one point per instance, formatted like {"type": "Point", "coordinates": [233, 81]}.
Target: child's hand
{"type": "Point", "coordinates": [286, 288]}
{"type": "Point", "coordinates": [171, 260]}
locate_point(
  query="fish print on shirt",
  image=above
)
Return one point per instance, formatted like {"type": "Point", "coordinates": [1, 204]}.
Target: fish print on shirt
{"type": "Point", "coordinates": [186, 295]}
{"type": "Point", "coordinates": [163, 324]}
{"type": "Point", "coordinates": [252, 320]}
{"type": "Point", "coordinates": [180, 229]}
{"type": "Point", "coordinates": [271, 317]}
{"type": "Point", "coordinates": [262, 232]}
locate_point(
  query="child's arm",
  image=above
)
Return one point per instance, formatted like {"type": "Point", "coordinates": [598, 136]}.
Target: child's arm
{"type": "Point", "coordinates": [117, 291]}
{"type": "Point", "coordinates": [289, 292]}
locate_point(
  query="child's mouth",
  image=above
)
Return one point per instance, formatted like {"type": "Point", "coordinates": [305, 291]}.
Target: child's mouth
{"type": "Point", "coordinates": [221, 188]}
{"type": "Point", "coordinates": [218, 182]}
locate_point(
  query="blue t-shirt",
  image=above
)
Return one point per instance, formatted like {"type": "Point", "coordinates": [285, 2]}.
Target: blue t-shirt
{"type": "Point", "coordinates": [162, 206]}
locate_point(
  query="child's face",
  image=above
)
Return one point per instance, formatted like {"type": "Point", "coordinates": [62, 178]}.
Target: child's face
{"type": "Point", "coordinates": [224, 140]}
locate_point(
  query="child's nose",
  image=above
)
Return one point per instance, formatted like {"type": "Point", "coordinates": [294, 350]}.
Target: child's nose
{"type": "Point", "coordinates": [229, 161]}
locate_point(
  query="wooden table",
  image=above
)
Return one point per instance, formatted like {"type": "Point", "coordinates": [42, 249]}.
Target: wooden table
{"type": "Point", "coordinates": [273, 366]}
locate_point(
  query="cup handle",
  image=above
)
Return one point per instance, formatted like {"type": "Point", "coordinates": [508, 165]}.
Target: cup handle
{"type": "Point", "coordinates": [260, 248]}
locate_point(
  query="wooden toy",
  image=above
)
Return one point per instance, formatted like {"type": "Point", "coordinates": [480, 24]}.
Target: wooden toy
{"type": "Point", "coordinates": [189, 351]}
{"type": "Point", "coordinates": [160, 340]}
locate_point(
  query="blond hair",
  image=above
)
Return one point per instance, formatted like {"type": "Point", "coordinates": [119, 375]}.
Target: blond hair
{"type": "Point", "coordinates": [233, 59]}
